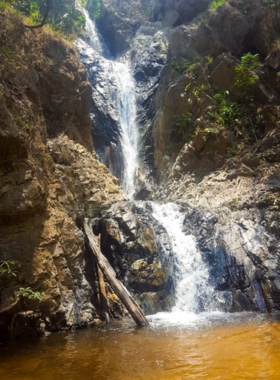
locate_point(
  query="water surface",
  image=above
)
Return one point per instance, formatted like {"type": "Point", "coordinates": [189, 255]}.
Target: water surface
{"type": "Point", "coordinates": [226, 347]}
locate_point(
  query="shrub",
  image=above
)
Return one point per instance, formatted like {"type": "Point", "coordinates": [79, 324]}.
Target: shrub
{"type": "Point", "coordinates": [30, 294]}
{"type": "Point", "coordinates": [6, 267]}
{"type": "Point", "coordinates": [244, 71]}
{"type": "Point", "coordinates": [216, 3]}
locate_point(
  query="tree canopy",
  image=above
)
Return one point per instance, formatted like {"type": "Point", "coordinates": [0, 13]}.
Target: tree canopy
{"type": "Point", "coordinates": [62, 15]}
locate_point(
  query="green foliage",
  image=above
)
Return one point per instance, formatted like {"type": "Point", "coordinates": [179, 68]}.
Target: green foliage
{"type": "Point", "coordinates": [269, 200]}
{"type": "Point", "coordinates": [189, 66]}
{"type": "Point", "coordinates": [275, 43]}
{"type": "Point", "coordinates": [93, 6]}
{"type": "Point", "coordinates": [5, 5]}
{"type": "Point", "coordinates": [63, 17]}
{"type": "Point", "coordinates": [216, 3]}
{"type": "Point", "coordinates": [271, 3]}
{"type": "Point", "coordinates": [22, 121]}
{"type": "Point", "coordinates": [30, 294]}
{"type": "Point", "coordinates": [270, 155]}
{"type": "Point", "coordinates": [184, 124]}
{"type": "Point", "coordinates": [176, 67]}
{"type": "Point", "coordinates": [181, 68]}
{"type": "Point", "coordinates": [227, 110]}
{"type": "Point", "coordinates": [209, 59]}
{"type": "Point", "coordinates": [172, 148]}
{"type": "Point", "coordinates": [245, 77]}
{"type": "Point", "coordinates": [207, 132]}
{"type": "Point", "coordinates": [6, 267]}
{"type": "Point", "coordinates": [195, 90]}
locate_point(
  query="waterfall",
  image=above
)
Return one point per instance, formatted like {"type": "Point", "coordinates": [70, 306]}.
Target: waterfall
{"type": "Point", "coordinates": [193, 291]}
{"type": "Point", "coordinates": [95, 39]}
{"type": "Point", "coordinates": [121, 90]}
{"type": "Point", "coordinates": [127, 111]}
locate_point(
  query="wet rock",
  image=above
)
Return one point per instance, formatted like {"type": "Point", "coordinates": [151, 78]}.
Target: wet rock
{"type": "Point", "coordinates": [155, 302]}
{"type": "Point", "coordinates": [171, 18]}
{"type": "Point", "coordinates": [27, 324]}
{"type": "Point", "coordinates": [137, 248]}
{"type": "Point", "coordinates": [149, 55]}
{"type": "Point", "coordinates": [239, 259]}
{"type": "Point", "coordinates": [147, 277]}
{"type": "Point", "coordinates": [105, 127]}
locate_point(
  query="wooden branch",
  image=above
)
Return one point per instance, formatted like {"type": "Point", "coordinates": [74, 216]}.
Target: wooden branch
{"type": "Point", "coordinates": [48, 3]}
{"type": "Point", "coordinates": [120, 290]}
{"type": "Point", "coordinates": [103, 295]}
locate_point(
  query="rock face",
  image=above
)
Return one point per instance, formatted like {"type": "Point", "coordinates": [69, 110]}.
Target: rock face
{"type": "Point", "coordinates": [242, 256]}
{"type": "Point", "coordinates": [49, 177]}
{"type": "Point", "coordinates": [139, 250]}
{"type": "Point", "coordinates": [149, 55]}
{"type": "Point", "coordinates": [105, 127]}
{"type": "Point", "coordinates": [183, 54]}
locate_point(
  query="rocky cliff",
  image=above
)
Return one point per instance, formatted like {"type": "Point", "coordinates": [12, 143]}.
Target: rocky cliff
{"type": "Point", "coordinates": [49, 177]}
{"type": "Point", "coordinates": [210, 137]}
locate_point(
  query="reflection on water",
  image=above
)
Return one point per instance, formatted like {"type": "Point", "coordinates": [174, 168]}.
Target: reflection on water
{"type": "Point", "coordinates": [225, 347]}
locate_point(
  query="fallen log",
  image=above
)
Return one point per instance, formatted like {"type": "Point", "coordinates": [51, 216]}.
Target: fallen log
{"type": "Point", "coordinates": [103, 296]}
{"type": "Point", "coordinates": [106, 268]}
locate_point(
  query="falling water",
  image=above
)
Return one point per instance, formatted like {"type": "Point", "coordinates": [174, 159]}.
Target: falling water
{"type": "Point", "coordinates": [95, 39]}
{"type": "Point", "coordinates": [127, 110]}
{"type": "Point", "coordinates": [193, 292]}
{"type": "Point", "coordinates": [120, 75]}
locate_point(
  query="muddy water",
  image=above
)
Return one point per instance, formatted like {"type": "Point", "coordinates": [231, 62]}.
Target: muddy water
{"type": "Point", "coordinates": [227, 348]}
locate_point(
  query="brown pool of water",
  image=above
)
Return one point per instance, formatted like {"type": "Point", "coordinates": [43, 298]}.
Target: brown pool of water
{"type": "Point", "coordinates": [244, 347]}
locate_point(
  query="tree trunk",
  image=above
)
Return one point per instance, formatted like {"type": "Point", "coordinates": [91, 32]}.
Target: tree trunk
{"type": "Point", "coordinates": [121, 291]}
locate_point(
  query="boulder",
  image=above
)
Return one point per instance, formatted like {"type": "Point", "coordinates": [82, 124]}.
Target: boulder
{"type": "Point", "coordinates": [222, 77]}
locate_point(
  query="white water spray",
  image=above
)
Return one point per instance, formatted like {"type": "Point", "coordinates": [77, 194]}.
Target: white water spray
{"type": "Point", "coordinates": [193, 292]}
{"type": "Point", "coordinates": [127, 110]}
{"type": "Point", "coordinates": [95, 40]}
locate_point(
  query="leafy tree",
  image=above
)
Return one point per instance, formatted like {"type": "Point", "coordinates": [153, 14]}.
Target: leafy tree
{"type": "Point", "coordinates": [61, 15]}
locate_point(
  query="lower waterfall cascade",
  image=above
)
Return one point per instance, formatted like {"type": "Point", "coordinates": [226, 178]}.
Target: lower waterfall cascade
{"type": "Point", "coordinates": [193, 292]}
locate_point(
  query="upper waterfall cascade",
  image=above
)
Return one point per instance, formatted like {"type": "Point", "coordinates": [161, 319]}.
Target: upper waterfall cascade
{"type": "Point", "coordinates": [125, 103]}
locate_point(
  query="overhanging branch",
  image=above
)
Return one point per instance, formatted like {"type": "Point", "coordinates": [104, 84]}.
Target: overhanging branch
{"type": "Point", "coordinates": [44, 19]}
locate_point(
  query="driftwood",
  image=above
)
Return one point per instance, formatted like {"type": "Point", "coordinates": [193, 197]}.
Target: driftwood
{"type": "Point", "coordinates": [102, 294]}
{"type": "Point", "coordinates": [120, 290]}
